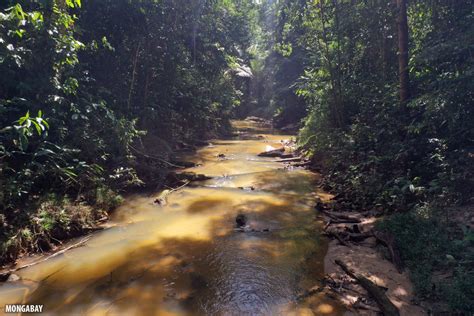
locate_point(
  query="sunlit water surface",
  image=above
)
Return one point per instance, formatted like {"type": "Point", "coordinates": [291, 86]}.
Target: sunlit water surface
{"type": "Point", "coordinates": [186, 257]}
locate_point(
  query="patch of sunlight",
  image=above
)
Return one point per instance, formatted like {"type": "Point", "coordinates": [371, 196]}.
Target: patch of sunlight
{"type": "Point", "coordinates": [325, 309]}
{"type": "Point", "coordinates": [325, 197]}
{"type": "Point", "coordinates": [377, 280]}
{"type": "Point", "coordinates": [400, 291]}
{"type": "Point", "coordinates": [304, 312]}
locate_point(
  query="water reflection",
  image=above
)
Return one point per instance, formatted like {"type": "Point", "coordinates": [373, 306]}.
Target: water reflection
{"type": "Point", "coordinates": [187, 258]}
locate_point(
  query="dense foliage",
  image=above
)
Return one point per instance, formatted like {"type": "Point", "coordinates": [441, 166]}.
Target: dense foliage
{"type": "Point", "coordinates": [382, 151]}
{"type": "Point", "coordinates": [96, 95]}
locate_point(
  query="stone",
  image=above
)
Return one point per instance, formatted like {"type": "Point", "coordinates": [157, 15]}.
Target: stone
{"type": "Point", "coordinates": [241, 220]}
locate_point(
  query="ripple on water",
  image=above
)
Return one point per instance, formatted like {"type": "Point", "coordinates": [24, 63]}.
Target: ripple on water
{"type": "Point", "coordinates": [186, 258]}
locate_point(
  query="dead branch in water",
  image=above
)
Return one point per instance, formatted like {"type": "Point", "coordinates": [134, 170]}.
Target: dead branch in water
{"type": "Point", "coordinates": [156, 158]}
{"type": "Point", "coordinates": [178, 188]}
{"type": "Point", "coordinates": [76, 245]}
{"type": "Point", "coordinates": [293, 159]}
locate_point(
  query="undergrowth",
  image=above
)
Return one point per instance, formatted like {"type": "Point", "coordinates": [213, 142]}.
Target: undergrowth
{"type": "Point", "coordinates": [429, 249]}
{"type": "Point", "coordinates": [40, 226]}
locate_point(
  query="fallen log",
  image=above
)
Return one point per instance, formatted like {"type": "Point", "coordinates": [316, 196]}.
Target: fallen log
{"type": "Point", "coordinates": [338, 218]}
{"type": "Point", "coordinates": [302, 164]}
{"type": "Point", "coordinates": [347, 218]}
{"type": "Point", "coordinates": [273, 153]}
{"type": "Point", "coordinates": [293, 159]}
{"type": "Point", "coordinates": [314, 290]}
{"type": "Point", "coordinates": [389, 241]}
{"type": "Point", "coordinates": [360, 305]}
{"type": "Point", "coordinates": [359, 237]}
{"type": "Point", "coordinates": [386, 306]}
{"type": "Point", "coordinates": [338, 237]}
{"type": "Point", "coordinates": [327, 225]}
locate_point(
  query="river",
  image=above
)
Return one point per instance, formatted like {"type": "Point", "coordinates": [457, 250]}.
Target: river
{"type": "Point", "coordinates": [186, 257]}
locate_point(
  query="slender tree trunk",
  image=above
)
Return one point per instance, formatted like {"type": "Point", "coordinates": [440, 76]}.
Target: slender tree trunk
{"type": "Point", "coordinates": [199, 9]}
{"type": "Point", "coordinates": [404, 77]}
{"type": "Point", "coordinates": [383, 23]}
{"type": "Point", "coordinates": [147, 83]}
{"type": "Point", "coordinates": [336, 112]}
{"type": "Point", "coordinates": [134, 71]}
{"type": "Point", "coordinates": [339, 65]}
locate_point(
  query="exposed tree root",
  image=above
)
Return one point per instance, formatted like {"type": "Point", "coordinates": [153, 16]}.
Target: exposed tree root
{"type": "Point", "coordinates": [389, 241]}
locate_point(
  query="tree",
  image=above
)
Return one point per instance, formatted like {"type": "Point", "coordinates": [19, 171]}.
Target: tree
{"type": "Point", "coordinates": [403, 56]}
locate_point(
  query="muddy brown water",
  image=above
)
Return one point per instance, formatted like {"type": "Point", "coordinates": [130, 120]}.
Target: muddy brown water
{"type": "Point", "coordinates": [186, 257]}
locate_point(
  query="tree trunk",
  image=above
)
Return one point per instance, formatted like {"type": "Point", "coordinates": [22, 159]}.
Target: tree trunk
{"type": "Point", "coordinates": [336, 106]}
{"type": "Point", "coordinates": [134, 71]}
{"type": "Point", "coordinates": [404, 77]}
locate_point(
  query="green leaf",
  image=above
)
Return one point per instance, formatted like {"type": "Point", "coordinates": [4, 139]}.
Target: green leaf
{"type": "Point", "coordinates": [24, 118]}
{"type": "Point", "coordinates": [37, 126]}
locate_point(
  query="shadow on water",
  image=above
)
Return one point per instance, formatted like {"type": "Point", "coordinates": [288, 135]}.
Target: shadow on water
{"type": "Point", "coordinates": [253, 273]}
{"type": "Point", "coordinates": [187, 258]}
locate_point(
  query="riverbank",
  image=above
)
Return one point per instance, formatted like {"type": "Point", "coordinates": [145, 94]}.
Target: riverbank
{"type": "Point", "coordinates": [53, 221]}
{"type": "Point", "coordinates": [421, 259]}
{"type": "Point", "coordinates": [179, 252]}
{"type": "Point", "coordinates": [366, 257]}
{"type": "Point", "coordinates": [352, 241]}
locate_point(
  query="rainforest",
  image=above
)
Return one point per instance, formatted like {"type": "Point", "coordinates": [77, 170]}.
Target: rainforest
{"type": "Point", "coordinates": [237, 157]}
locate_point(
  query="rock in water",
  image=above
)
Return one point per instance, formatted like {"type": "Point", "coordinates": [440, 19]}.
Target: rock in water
{"type": "Point", "coordinates": [241, 220]}
{"type": "Point", "coordinates": [13, 278]}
